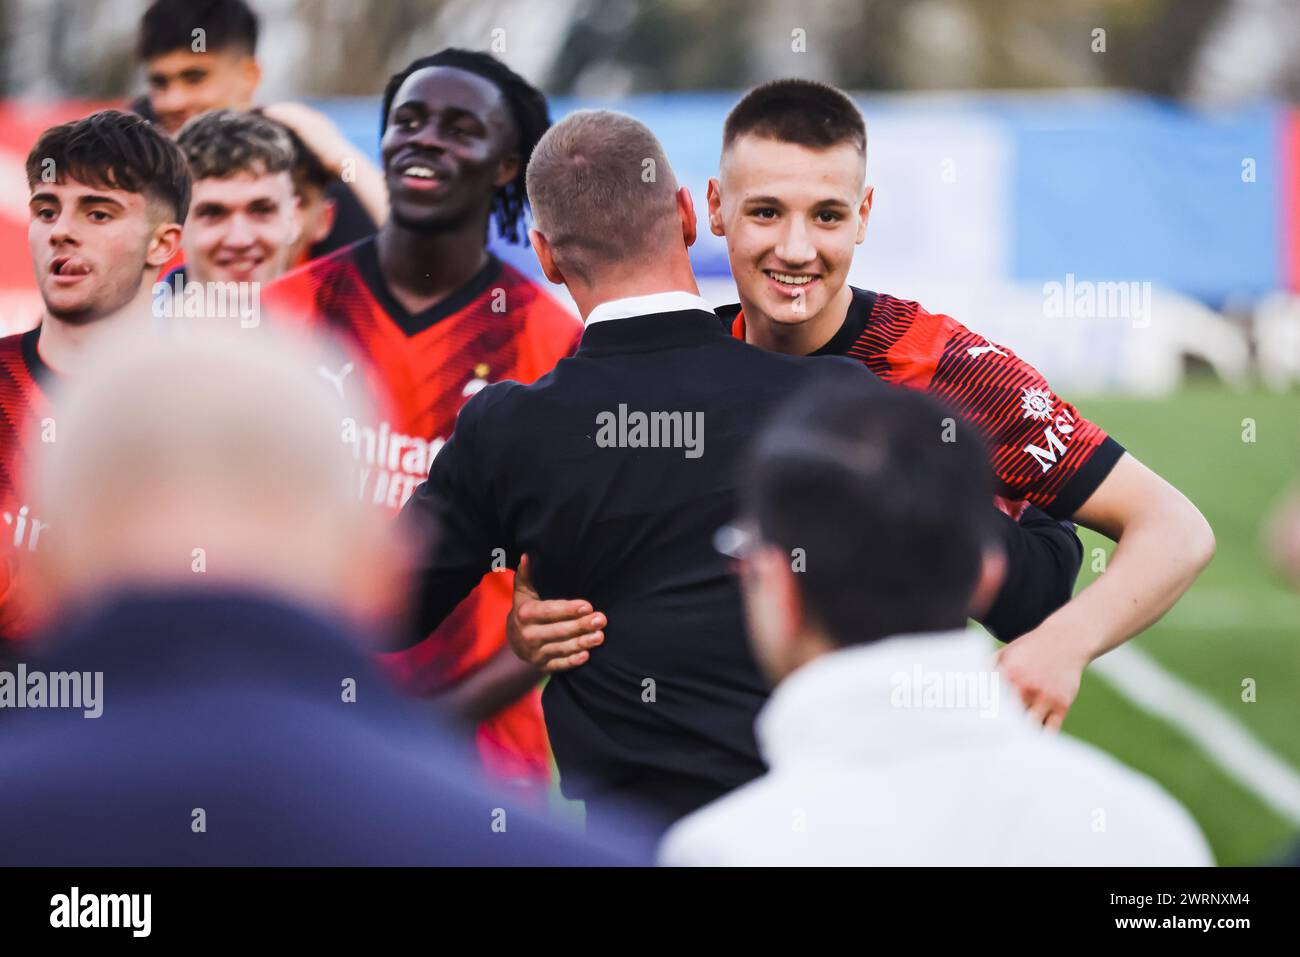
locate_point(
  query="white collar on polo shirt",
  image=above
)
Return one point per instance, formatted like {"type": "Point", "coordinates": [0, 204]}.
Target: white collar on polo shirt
{"type": "Point", "coordinates": [673, 301]}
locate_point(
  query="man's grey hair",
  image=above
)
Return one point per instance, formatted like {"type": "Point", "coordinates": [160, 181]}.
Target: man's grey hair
{"type": "Point", "coordinates": [602, 192]}
{"type": "Point", "coordinates": [222, 143]}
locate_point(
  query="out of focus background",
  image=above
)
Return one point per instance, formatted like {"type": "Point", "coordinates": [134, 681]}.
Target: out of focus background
{"type": "Point", "coordinates": [1110, 187]}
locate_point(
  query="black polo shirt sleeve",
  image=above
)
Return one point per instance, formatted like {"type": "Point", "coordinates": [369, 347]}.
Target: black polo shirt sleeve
{"type": "Point", "coordinates": [1043, 559]}
{"type": "Point", "coordinates": [452, 521]}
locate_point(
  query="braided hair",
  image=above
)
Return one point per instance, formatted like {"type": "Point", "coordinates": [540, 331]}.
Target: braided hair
{"type": "Point", "coordinates": [528, 109]}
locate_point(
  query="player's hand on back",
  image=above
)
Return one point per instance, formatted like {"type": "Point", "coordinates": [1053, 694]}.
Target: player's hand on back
{"type": "Point", "coordinates": [1045, 669]}
{"type": "Point", "coordinates": [337, 153]}
{"type": "Point", "coordinates": [316, 130]}
{"type": "Point", "coordinates": [550, 635]}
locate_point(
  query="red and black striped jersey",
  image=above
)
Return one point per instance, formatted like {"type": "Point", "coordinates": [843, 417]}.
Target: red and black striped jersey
{"type": "Point", "coordinates": [24, 412]}
{"type": "Point", "coordinates": [499, 325]}
{"type": "Point", "coordinates": [1043, 451]}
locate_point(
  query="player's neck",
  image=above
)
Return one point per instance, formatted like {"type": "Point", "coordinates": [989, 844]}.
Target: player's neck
{"type": "Point", "coordinates": [421, 267]}
{"type": "Point", "coordinates": [797, 339]}
{"type": "Point", "coordinates": [63, 345]}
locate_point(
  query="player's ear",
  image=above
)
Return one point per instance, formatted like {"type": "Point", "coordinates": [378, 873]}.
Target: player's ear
{"type": "Point", "coordinates": [864, 211]}
{"type": "Point", "coordinates": [295, 214]}
{"type": "Point", "coordinates": [775, 613]}
{"type": "Point", "coordinates": [686, 213]}
{"type": "Point", "coordinates": [993, 571]}
{"type": "Point", "coordinates": [163, 244]}
{"type": "Point", "coordinates": [546, 257]}
{"type": "Point", "coordinates": [329, 212]}
{"type": "Point", "coordinates": [715, 207]}
{"type": "Point", "coordinates": [786, 585]}
{"type": "Point", "coordinates": [507, 169]}
{"type": "Point", "coordinates": [250, 75]}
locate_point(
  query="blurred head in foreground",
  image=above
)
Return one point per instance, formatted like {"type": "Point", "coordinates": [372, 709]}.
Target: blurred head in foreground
{"type": "Point", "coordinates": [215, 565]}
{"type": "Point", "coordinates": [1282, 535]}
{"type": "Point", "coordinates": [211, 462]}
{"type": "Point", "coordinates": [864, 515]}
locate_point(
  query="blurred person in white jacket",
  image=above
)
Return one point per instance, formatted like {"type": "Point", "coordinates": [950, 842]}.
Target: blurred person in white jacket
{"type": "Point", "coordinates": [891, 738]}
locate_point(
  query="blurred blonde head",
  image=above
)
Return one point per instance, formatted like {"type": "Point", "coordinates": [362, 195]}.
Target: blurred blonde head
{"type": "Point", "coordinates": [212, 460]}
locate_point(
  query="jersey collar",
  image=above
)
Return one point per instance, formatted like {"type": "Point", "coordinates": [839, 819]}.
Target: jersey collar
{"type": "Point", "coordinates": [41, 373]}
{"type": "Point", "coordinates": [855, 322]}
{"type": "Point", "coordinates": [366, 256]}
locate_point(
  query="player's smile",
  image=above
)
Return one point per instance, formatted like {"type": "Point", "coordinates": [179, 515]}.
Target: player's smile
{"type": "Point", "coordinates": [792, 294]}
{"type": "Point", "coordinates": [792, 283]}
{"type": "Point", "coordinates": [422, 175]}
{"type": "Point", "coordinates": [238, 266]}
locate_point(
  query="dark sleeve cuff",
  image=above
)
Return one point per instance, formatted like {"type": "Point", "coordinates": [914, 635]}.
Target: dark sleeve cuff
{"type": "Point", "coordinates": [1084, 482]}
{"type": "Point", "coordinates": [1043, 556]}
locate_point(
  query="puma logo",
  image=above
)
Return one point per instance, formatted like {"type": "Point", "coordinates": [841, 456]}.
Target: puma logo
{"type": "Point", "coordinates": [978, 351]}
{"type": "Point", "coordinates": [338, 378]}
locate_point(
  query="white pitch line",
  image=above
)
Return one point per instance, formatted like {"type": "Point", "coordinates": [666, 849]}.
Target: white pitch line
{"type": "Point", "coordinates": [1223, 738]}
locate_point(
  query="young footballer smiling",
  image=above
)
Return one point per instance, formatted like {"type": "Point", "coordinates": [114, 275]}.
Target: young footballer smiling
{"type": "Point", "coordinates": [792, 202]}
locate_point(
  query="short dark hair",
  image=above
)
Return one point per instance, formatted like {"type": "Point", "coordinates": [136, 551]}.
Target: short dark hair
{"type": "Point", "coordinates": [114, 150]}
{"type": "Point", "coordinates": [308, 170]}
{"type": "Point", "coordinates": [221, 143]}
{"type": "Point", "coordinates": [888, 494]}
{"type": "Point", "coordinates": [528, 109]}
{"type": "Point", "coordinates": [803, 112]}
{"type": "Point", "coordinates": [169, 25]}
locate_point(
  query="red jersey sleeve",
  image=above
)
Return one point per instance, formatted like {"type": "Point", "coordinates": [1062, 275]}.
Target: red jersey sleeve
{"type": "Point", "coordinates": [1042, 449]}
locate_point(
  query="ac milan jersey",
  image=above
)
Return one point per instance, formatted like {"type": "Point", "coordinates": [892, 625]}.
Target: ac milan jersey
{"type": "Point", "coordinates": [499, 325]}
{"type": "Point", "coordinates": [23, 407]}
{"type": "Point", "coordinates": [1043, 451]}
